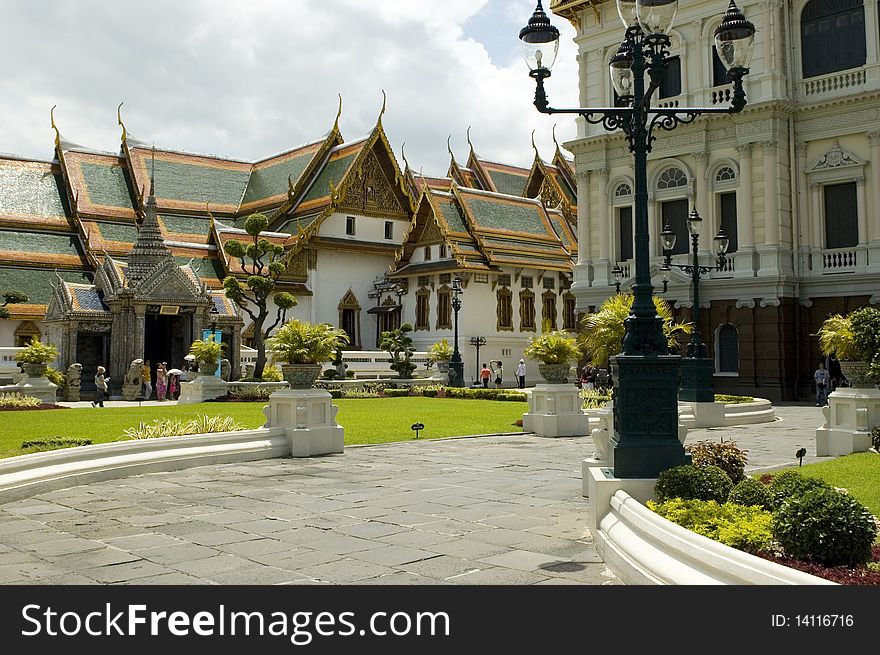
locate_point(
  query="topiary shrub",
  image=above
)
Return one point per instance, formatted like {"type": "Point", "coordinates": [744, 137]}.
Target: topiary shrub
{"type": "Point", "coordinates": [751, 492]}
{"type": "Point", "coordinates": [875, 438]}
{"type": "Point", "coordinates": [825, 526]}
{"type": "Point", "coordinates": [52, 443]}
{"type": "Point", "coordinates": [725, 455]}
{"type": "Point", "coordinates": [693, 482]}
{"type": "Point", "coordinates": [791, 484]}
{"type": "Point", "coordinates": [745, 528]}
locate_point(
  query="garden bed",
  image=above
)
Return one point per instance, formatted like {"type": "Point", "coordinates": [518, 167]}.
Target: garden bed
{"type": "Point", "coordinates": [35, 407]}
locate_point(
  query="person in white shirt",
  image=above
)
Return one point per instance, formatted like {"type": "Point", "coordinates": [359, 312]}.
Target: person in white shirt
{"type": "Point", "coordinates": [521, 374]}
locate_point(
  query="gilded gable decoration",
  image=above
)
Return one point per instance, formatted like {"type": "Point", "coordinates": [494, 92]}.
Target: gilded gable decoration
{"type": "Point", "coordinates": [370, 192]}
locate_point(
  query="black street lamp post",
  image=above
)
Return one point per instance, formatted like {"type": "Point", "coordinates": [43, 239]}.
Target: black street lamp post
{"type": "Point", "coordinates": [617, 274]}
{"type": "Point", "coordinates": [478, 342]}
{"type": "Point", "coordinates": [456, 366]}
{"type": "Point", "coordinates": [645, 441]}
{"type": "Point", "coordinates": [696, 368]}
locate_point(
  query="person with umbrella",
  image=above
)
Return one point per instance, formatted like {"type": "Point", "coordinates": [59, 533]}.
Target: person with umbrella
{"type": "Point", "coordinates": [173, 382]}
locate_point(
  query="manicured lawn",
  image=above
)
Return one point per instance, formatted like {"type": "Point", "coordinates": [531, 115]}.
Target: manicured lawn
{"type": "Point", "coordinates": [366, 420]}
{"type": "Point", "coordinates": [859, 472]}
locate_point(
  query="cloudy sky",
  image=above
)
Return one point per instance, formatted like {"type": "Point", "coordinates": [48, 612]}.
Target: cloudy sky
{"type": "Point", "coordinates": [250, 79]}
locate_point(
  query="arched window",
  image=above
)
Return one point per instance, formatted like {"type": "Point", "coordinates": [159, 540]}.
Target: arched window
{"type": "Point", "coordinates": [728, 349]}
{"type": "Point", "coordinates": [623, 190]}
{"type": "Point", "coordinates": [832, 36]}
{"type": "Point", "coordinates": [725, 174]}
{"type": "Point", "coordinates": [674, 212]}
{"type": "Point", "coordinates": [725, 193]}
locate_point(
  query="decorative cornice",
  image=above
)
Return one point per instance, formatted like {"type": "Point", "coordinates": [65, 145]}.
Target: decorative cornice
{"type": "Point", "coordinates": [770, 302]}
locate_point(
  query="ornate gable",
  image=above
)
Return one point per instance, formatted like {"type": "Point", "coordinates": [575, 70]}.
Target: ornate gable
{"type": "Point", "coordinates": [430, 233]}
{"type": "Point", "coordinates": [370, 192]}
{"type": "Point", "coordinates": [169, 283]}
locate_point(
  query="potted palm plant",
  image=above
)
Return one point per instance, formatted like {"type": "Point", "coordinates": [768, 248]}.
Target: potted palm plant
{"type": "Point", "coordinates": [854, 340]}
{"type": "Point", "coordinates": [602, 332]}
{"type": "Point", "coordinates": [440, 353]}
{"type": "Point", "coordinates": [207, 354]}
{"type": "Point", "coordinates": [35, 357]}
{"type": "Point", "coordinates": [554, 351]}
{"type": "Point", "coordinates": [302, 348]}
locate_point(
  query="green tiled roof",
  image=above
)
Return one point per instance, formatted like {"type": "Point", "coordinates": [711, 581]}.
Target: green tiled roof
{"type": "Point", "coordinates": [193, 183]}
{"type": "Point", "coordinates": [508, 183]}
{"type": "Point", "coordinates": [452, 217]}
{"type": "Point", "coordinates": [24, 242]}
{"type": "Point", "coordinates": [29, 191]}
{"type": "Point", "coordinates": [206, 267]}
{"type": "Point", "coordinates": [187, 224]}
{"type": "Point", "coordinates": [273, 180]}
{"type": "Point", "coordinates": [333, 171]}
{"type": "Point", "coordinates": [37, 283]}
{"type": "Point", "coordinates": [290, 227]}
{"type": "Point", "coordinates": [118, 232]}
{"type": "Point", "coordinates": [107, 185]}
{"type": "Point", "coordinates": [506, 216]}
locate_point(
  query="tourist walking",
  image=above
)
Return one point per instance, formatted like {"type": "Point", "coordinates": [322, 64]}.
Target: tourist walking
{"type": "Point", "coordinates": [161, 381]}
{"type": "Point", "coordinates": [521, 374]}
{"type": "Point", "coordinates": [147, 374]}
{"type": "Point", "coordinates": [172, 386]}
{"type": "Point", "coordinates": [101, 386]}
{"type": "Point", "coordinates": [823, 381]}
{"type": "Point", "coordinates": [498, 373]}
{"type": "Point", "coordinates": [485, 376]}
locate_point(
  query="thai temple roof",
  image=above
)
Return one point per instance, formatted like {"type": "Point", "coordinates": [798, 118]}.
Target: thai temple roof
{"type": "Point", "coordinates": [61, 219]}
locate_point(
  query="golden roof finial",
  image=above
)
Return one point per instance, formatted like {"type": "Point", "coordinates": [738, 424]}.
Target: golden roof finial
{"type": "Point", "coordinates": [338, 115]}
{"type": "Point", "coordinates": [554, 136]}
{"type": "Point", "coordinates": [537, 154]}
{"type": "Point", "coordinates": [208, 210]}
{"type": "Point", "coordinates": [290, 189]}
{"type": "Point", "coordinates": [55, 127]}
{"type": "Point", "coordinates": [382, 112]}
{"type": "Point", "coordinates": [403, 155]}
{"type": "Point", "coordinates": [469, 139]}
{"type": "Point", "coordinates": [119, 120]}
{"type": "Point", "coordinates": [449, 147]}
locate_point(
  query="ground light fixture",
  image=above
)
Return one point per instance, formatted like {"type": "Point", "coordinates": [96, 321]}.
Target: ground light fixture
{"type": "Point", "coordinates": [646, 375]}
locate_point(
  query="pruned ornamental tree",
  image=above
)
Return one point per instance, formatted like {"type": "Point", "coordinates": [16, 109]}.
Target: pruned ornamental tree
{"type": "Point", "coordinates": [262, 262]}
{"type": "Point", "coordinates": [399, 345]}
{"type": "Point", "coordinates": [11, 298]}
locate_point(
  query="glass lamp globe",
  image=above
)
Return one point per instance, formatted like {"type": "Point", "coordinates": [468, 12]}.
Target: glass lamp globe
{"type": "Point", "coordinates": [656, 16]}
{"type": "Point", "coordinates": [694, 222]}
{"type": "Point", "coordinates": [626, 9]}
{"type": "Point", "coordinates": [734, 38]}
{"type": "Point", "coordinates": [721, 243]}
{"type": "Point", "coordinates": [540, 41]}
{"type": "Point", "coordinates": [621, 71]}
{"type": "Point", "coordinates": [667, 238]}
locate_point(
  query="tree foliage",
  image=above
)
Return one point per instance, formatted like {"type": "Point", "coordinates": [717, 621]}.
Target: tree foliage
{"type": "Point", "coordinates": [602, 332]}
{"type": "Point", "coordinates": [262, 262]}
{"type": "Point", "coordinates": [399, 345]}
{"type": "Point", "coordinates": [11, 297]}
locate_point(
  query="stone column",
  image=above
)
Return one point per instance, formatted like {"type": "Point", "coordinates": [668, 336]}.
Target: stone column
{"type": "Point", "coordinates": [800, 205]}
{"type": "Point", "coordinates": [602, 274]}
{"type": "Point", "coordinates": [582, 276]}
{"type": "Point", "coordinates": [873, 228]}
{"type": "Point", "coordinates": [701, 202]}
{"type": "Point", "coordinates": [744, 258]}
{"type": "Point", "coordinates": [816, 224]}
{"type": "Point", "coordinates": [771, 193]}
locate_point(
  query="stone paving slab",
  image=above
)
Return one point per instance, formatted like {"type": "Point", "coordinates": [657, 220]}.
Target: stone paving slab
{"type": "Point", "coordinates": [503, 509]}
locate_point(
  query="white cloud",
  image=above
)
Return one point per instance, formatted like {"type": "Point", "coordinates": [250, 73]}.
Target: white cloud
{"type": "Point", "coordinates": [247, 80]}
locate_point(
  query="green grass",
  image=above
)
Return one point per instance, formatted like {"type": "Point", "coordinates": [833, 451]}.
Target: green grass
{"type": "Point", "coordinates": [859, 473]}
{"type": "Point", "coordinates": [366, 421]}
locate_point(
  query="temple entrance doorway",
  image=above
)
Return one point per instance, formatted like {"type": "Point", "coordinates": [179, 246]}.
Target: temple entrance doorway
{"type": "Point", "coordinates": [167, 339]}
{"type": "Point", "coordinates": [92, 351]}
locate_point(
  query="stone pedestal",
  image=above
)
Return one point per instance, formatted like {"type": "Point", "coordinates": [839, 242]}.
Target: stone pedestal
{"type": "Point", "coordinates": [309, 419]}
{"type": "Point", "coordinates": [36, 387]}
{"type": "Point", "coordinates": [555, 411]}
{"type": "Point", "coordinates": [696, 380]}
{"type": "Point", "coordinates": [707, 415]}
{"type": "Point", "coordinates": [850, 416]}
{"type": "Point", "coordinates": [206, 387]}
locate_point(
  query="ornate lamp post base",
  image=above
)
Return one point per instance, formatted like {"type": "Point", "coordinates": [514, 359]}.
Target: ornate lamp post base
{"type": "Point", "coordinates": [645, 440]}
{"type": "Point", "coordinates": [696, 380]}
{"type": "Point", "coordinates": [456, 373]}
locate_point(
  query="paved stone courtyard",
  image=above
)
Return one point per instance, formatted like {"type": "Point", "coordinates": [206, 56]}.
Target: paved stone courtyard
{"type": "Point", "coordinates": [489, 510]}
